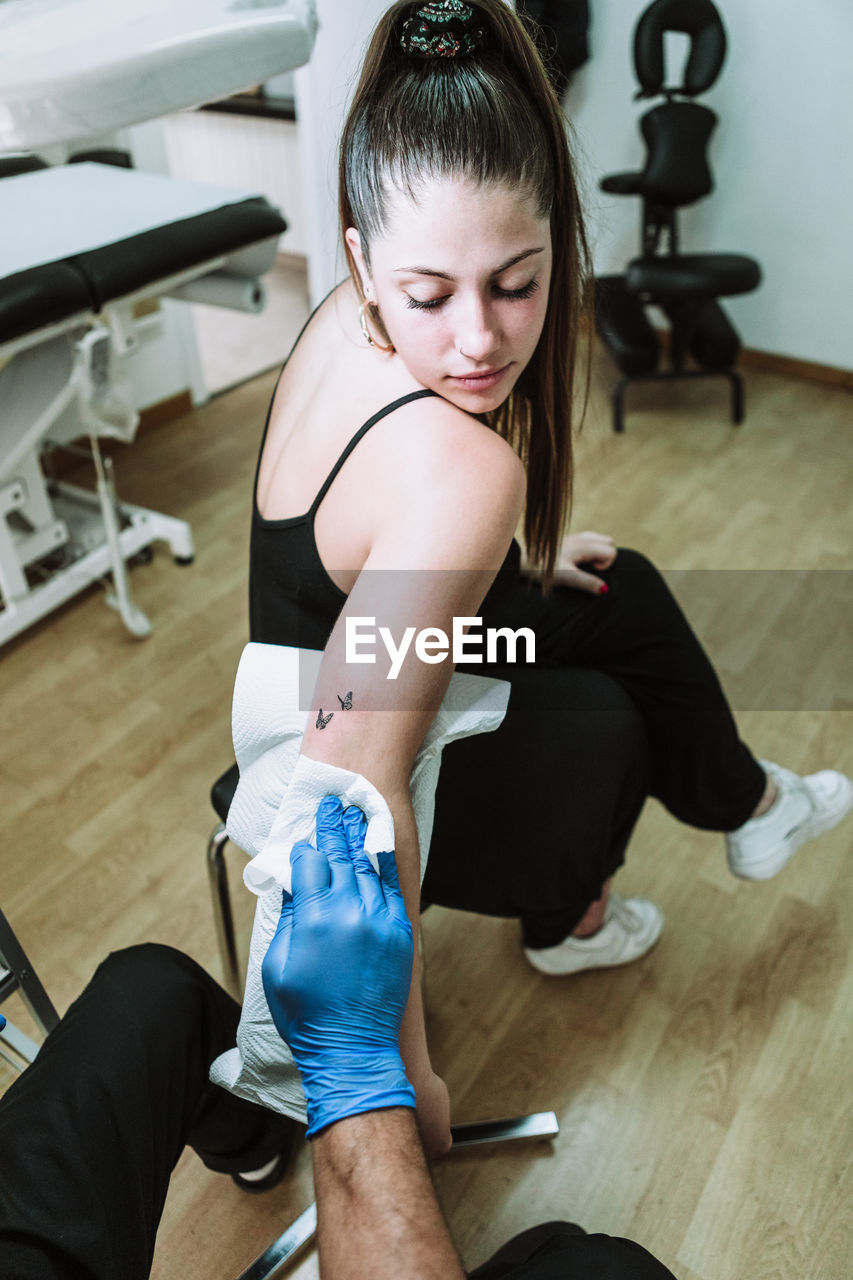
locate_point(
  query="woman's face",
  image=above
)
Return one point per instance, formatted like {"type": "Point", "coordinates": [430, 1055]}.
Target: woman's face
{"type": "Point", "coordinates": [461, 280]}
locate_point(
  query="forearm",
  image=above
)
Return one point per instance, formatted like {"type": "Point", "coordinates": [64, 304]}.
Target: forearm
{"type": "Point", "coordinates": [433, 1108]}
{"type": "Point", "coordinates": [413, 1046]}
{"type": "Point", "coordinates": [376, 1207]}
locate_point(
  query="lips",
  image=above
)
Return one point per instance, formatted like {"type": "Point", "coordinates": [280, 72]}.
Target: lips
{"type": "Point", "coordinates": [480, 380]}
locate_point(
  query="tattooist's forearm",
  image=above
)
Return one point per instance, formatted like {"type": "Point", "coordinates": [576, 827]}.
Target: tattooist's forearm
{"type": "Point", "coordinates": [376, 1208]}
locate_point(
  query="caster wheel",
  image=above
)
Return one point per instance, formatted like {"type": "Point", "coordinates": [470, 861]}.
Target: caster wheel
{"type": "Point", "coordinates": [182, 560]}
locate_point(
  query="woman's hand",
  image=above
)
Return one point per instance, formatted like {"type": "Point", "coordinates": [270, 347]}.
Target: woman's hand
{"type": "Point", "coordinates": [596, 549]}
{"type": "Point", "coordinates": [338, 971]}
{"type": "Point", "coordinates": [575, 549]}
{"type": "Point", "coordinates": [432, 1110]}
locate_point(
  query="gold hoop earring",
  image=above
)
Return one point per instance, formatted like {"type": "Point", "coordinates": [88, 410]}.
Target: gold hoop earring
{"type": "Point", "coordinates": [362, 320]}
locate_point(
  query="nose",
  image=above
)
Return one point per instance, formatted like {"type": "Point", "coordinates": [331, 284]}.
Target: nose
{"type": "Point", "coordinates": [478, 335]}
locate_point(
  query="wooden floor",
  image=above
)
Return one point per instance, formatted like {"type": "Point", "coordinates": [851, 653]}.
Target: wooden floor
{"type": "Point", "coordinates": [704, 1093]}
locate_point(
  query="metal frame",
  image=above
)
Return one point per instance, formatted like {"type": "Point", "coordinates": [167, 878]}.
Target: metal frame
{"type": "Point", "coordinates": [17, 974]}
{"type": "Point", "coordinates": [223, 916]}
{"type": "Point", "coordinates": [674, 375]}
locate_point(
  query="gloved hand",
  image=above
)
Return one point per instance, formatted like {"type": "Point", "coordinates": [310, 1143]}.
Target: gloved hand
{"type": "Point", "coordinates": [337, 973]}
{"type": "Point", "coordinates": [2, 1022]}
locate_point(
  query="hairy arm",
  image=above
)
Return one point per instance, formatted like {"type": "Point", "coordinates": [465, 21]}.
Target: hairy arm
{"type": "Point", "coordinates": [376, 1208]}
{"type": "Point", "coordinates": [439, 536]}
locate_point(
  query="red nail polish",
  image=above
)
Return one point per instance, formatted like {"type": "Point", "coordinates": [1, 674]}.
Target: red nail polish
{"type": "Point", "coordinates": [603, 589]}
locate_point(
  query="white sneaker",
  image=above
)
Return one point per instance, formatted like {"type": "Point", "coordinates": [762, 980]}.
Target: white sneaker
{"type": "Point", "coordinates": [804, 808]}
{"type": "Point", "coordinates": [631, 927]}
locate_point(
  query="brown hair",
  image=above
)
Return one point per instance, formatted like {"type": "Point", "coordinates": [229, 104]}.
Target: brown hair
{"type": "Point", "coordinates": [491, 116]}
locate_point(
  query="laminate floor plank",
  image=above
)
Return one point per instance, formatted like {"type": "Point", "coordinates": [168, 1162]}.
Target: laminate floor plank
{"type": "Point", "coordinates": [704, 1093]}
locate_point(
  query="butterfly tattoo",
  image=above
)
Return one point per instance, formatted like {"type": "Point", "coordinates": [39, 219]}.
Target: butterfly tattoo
{"type": "Point", "coordinates": [346, 703]}
{"type": "Point", "coordinates": [322, 720]}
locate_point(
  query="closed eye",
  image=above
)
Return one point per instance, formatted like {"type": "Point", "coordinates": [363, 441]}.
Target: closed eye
{"type": "Point", "coordinates": [527, 291]}
{"type": "Point", "coordinates": [417, 305]}
{"type": "Point", "coordinates": [433, 304]}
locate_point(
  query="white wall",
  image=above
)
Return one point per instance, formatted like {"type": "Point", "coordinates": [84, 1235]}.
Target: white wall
{"type": "Point", "coordinates": [245, 152]}
{"type": "Point", "coordinates": [323, 91]}
{"type": "Point", "coordinates": [782, 157]}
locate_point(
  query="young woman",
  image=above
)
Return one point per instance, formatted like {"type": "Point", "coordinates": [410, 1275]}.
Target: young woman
{"type": "Point", "coordinates": [424, 412]}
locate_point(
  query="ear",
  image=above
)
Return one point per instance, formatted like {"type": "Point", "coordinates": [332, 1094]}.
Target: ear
{"type": "Point", "coordinates": [353, 240]}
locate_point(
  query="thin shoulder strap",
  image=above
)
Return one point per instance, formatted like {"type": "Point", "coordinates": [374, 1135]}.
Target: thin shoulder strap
{"type": "Point", "coordinates": [362, 431]}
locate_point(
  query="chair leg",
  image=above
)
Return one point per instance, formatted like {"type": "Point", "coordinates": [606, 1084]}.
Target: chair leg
{"type": "Point", "coordinates": [223, 917]}
{"type": "Point", "coordinates": [17, 974]}
{"type": "Point", "coordinates": [736, 382]}
{"type": "Point", "coordinates": [619, 406]}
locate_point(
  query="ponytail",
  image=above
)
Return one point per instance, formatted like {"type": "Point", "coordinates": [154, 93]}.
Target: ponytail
{"type": "Point", "coordinates": [475, 102]}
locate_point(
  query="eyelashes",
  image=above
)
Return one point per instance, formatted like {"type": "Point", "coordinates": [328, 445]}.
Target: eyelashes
{"type": "Point", "coordinates": [511, 295]}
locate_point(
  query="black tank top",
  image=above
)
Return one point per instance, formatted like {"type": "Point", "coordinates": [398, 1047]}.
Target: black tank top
{"type": "Point", "coordinates": [292, 599]}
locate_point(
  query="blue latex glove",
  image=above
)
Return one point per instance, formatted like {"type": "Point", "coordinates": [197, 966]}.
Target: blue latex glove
{"type": "Point", "coordinates": [337, 973]}
{"type": "Point", "coordinates": [2, 1022]}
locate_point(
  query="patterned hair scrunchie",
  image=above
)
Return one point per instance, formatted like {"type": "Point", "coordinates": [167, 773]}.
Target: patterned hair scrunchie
{"type": "Point", "coordinates": [442, 30]}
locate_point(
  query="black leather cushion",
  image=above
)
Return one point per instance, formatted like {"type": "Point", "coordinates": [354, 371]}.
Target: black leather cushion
{"type": "Point", "coordinates": [676, 136]}
{"type": "Point", "coordinates": [120, 159]}
{"type": "Point", "coordinates": [222, 791]}
{"type": "Point", "coordinates": [561, 28]}
{"type": "Point", "coordinates": [11, 166]}
{"type": "Point", "coordinates": [693, 275]}
{"type": "Point", "coordinates": [624, 328]}
{"type": "Point", "coordinates": [622, 184]}
{"type": "Point", "coordinates": [699, 20]}
{"type": "Point", "coordinates": [31, 299]}
{"type": "Point", "coordinates": [128, 265]}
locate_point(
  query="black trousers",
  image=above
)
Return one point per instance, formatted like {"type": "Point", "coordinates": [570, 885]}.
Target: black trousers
{"type": "Point", "coordinates": [91, 1131]}
{"type": "Point", "coordinates": [563, 1251]}
{"type": "Point", "coordinates": [623, 703]}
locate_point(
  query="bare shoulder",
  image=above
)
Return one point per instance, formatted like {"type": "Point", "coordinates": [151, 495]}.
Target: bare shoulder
{"type": "Point", "coordinates": [455, 490]}
{"type": "Point", "coordinates": [451, 452]}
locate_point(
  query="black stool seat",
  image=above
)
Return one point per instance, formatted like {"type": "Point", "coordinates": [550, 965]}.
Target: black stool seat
{"type": "Point", "coordinates": [222, 791]}
{"type": "Point", "coordinates": [693, 275]}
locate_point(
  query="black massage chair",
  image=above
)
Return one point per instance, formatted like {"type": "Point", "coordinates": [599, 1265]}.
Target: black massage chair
{"type": "Point", "coordinates": [685, 286]}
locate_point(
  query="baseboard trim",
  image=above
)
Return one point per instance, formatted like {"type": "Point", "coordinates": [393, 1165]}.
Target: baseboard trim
{"type": "Point", "coordinates": [793, 368]}
{"type": "Point", "coordinates": [789, 366]}
{"type": "Point", "coordinates": [175, 406]}
{"type": "Point", "coordinates": [165, 410]}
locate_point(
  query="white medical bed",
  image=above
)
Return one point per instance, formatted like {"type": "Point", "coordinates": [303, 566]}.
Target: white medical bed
{"type": "Point", "coordinates": [83, 244]}
{"type": "Point", "coordinates": [74, 69]}
{"type": "Point", "coordinates": [92, 241]}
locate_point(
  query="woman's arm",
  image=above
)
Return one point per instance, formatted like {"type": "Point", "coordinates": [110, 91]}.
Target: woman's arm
{"type": "Point", "coordinates": [441, 531]}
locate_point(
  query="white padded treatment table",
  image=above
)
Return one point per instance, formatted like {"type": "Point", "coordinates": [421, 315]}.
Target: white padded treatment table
{"type": "Point", "coordinates": [85, 243]}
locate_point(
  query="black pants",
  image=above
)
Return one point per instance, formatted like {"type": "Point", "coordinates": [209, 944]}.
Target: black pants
{"type": "Point", "coordinates": [622, 703]}
{"type": "Point", "coordinates": [563, 1251]}
{"type": "Point", "coordinates": [91, 1131]}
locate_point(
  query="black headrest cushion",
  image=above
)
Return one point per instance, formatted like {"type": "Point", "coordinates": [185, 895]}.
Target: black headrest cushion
{"type": "Point", "coordinates": [699, 20]}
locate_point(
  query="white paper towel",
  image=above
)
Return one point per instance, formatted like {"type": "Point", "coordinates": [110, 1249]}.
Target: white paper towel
{"type": "Point", "coordinates": [219, 289]}
{"type": "Point", "coordinates": [276, 802]}
{"type": "Point", "coordinates": [295, 820]}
